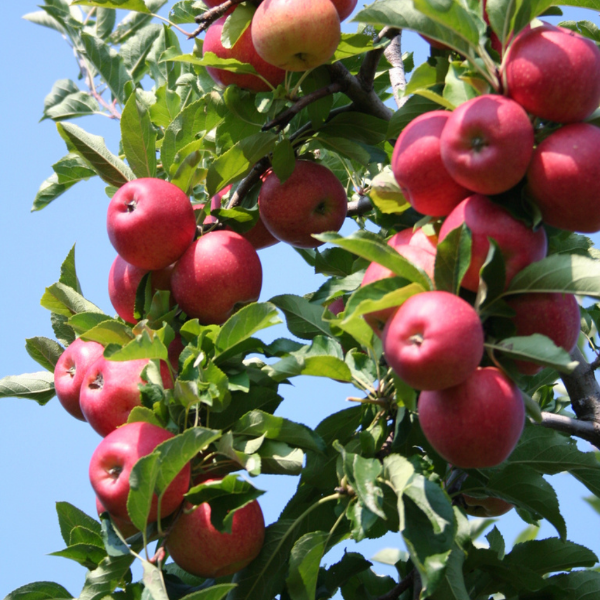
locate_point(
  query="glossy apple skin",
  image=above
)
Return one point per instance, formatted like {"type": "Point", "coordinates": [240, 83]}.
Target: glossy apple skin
{"type": "Point", "coordinates": [218, 274]}
{"type": "Point", "coordinates": [344, 7]}
{"type": "Point", "coordinates": [109, 392]}
{"type": "Point", "coordinates": [113, 460]}
{"type": "Point", "coordinates": [417, 237]}
{"type": "Point", "coordinates": [244, 51]}
{"type": "Point", "coordinates": [69, 373]}
{"type": "Point", "coordinates": [150, 223]}
{"type": "Point", "coordinates": [418, 168]}
{"type": "Point", "coordinates": [563, 178]}
{"type": "Point", "coordinates": [123, 282]}
{"type": "Point", "coordinates": [126, 528]}
{"type": "Point", "coordinates": [487, 144]}
{"type": "Point", "coordinates": [486, 507]}
{"type": "Point", "coordinates": [476, 424]}
{"type": "Point", "coordinates": [417, 255]}
{"type": "Point", "coordinates": [198, 548]}
{"type": "Point", "coordinates": [554, 73]}
{"type": "Point", "coordinates": [554, 315]}
{"type": "Point", "coordinates": [311, 200]}
{"type": "Point", "coordinates": [434, 340]}
{"type": "Point", "coordinates": [294, 39]}
{"type": "Point", "coordinates": [520, 245]}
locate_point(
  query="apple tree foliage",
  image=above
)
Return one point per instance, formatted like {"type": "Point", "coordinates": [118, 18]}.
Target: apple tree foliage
{"type": "Point", "coordinates": [365, 470]}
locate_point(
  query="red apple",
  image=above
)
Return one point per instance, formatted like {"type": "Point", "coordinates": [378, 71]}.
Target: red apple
{"type": "Point", "coordinates": [487, 144]}
{"type": "Point", "coordinates": [150, 223]}
{"type": "Point", "coordinates": [109, 392]}
{"type": "Point", "coordinates": [337, 306]}
{"type": "Point", "coordinates": [417, 255]}
{"type": "Point", "coordinates": [244, 51]}
{"type": "Point", "coordinates": [476, 424]}
{"type": "Point", "coordinates": [486, 507]}
{"type": "Point", "coordinates": [434, 340]}
{"type": "Point", "coordinates": [218, 274]}
{"type": "Point", "coordinates": [69, 373]}
{"type": "Point", "coordinates": [554, 73]}
{"type": "Point", "coordinates": [418, 168]}
{"type": "Point", "coordinates": [311, 200]}
{"type": "Point", "coordinates": [344, 7]}
{"type": "Point", "coordinates": [123, 282]}
{"type": "Point", "coordinates": [417, 237]}
{"type": "Point", "coordinates": [198, 548]}
{"type": "Point", "coordinates": [296, 38]}
{"type": "Point", "coordinates": [563, 178]}
{"type": "Point", "coordinates": [519, 244]}
{"type": "Point", "coordinates": [126, 528]}
{"type": "Point", "coordinates": [175, 348]}
{"type": "Point", "coordinates": [554, 315]}
{"type": "Point", "coordinates": [113, 460]}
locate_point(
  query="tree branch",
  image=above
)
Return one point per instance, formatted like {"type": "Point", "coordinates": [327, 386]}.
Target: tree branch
{"type": "Point", "coordinates": [393, 53]}
{"type": "Point", "coordinates": [368, 68]}
{"type": "Point", "coordinates": [583, 389]}
{"type": "Point", "coordinates": [359, 207]}
{"type": "Point", "coordinates": [586, 430]}
{"type": "Point", "coordinates": [248, 183]}
{"type": "Point", "coordinates": [283, 118]}
{"type": "Point", "coordinates": [397, 591]}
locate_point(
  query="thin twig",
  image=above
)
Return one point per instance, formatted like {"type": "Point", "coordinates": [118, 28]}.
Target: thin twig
{"type": "Point", "coordinates": [283, 118]}
{"type": "Point", "coordinates": [368, 68]}
{"type": "Point", "coordinates": [356, 208]}
{"type": "Point", "coordinates": [248, 183]}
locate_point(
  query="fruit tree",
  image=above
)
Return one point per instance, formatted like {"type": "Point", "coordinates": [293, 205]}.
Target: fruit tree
{"type": "Point", "coordinates": [445, 207]}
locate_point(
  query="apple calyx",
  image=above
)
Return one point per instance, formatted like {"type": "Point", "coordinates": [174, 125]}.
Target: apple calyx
{"type": "Point", "coordinates": [98, 383]}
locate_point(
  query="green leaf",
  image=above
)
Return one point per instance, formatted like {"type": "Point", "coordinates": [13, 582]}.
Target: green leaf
{"type": "Point", "coordinates": [68, 273]}
{"type": "Point", "coordinates": [186, 11]}
{"type": "Point", "coordinates": [94, 152]}
{"type": "Point", "coordinates": [214, 592]}
{"type": "Point", "coordinates": [238, 160]}
{"type": "Point", "coordinates": [568, 273]}
{"type": "Point", "coordinates": [225, 496]}
{"type": "Point", "coordinates": [304, 320]}
{"type": "Point", "coordinates": [138, 138]}
{"type": "Point", "coordinates": [154, 584]}
{"type": "Point", "coordinates": [305, 559]}
{"type": "Point", "coordinates": [353, 44]}
{"type": "Point", "coordinates": [135, 51]}
{"type": "Point", "coordinates": [87, 555]}
{"type": "Point", "coordinates": [346, 147]}
{"type": "Point", "coordinates": [356, 126]}
{"type": "Point", "coordinates": [371, 247]}
{"type": "Point", "coordinates": [256, 423]}
{"type": "Point", "coordinates": [521, 485]}
{"type": "Point", "coordinates": [44, 351]}
{"type": "Point", "coordinates": [108, 331]}
{"type": "Point", "coordinates": [64, 300]}
{"type": "Point", "coordinates": [535, 348]}
{"type": "Point", "coordinates": [235, 25]}
{"type": "Point", "coordinates": [551, 555]}
{"type": "Point", "coordinates": [41, 590]}
{"type": "Point", "coordinates": [278, 458]}
{"type": "Point", "coordinates": [580, 585]}
{"type": "Point", "coordinates": [142, 481]}
{"type": "Point", "coordinates": [136, 5]}
{"type": "Point", "coordinates": [243, 325]}
{"type": "Point", "coordinates": [103, 580]}
{"type": "Point", "coordinates": [142, 346]}
{"type": "Point", "coordinates": [163, 72]}
{"type": "Point", "coordinates": [67, 101]}
{"type": "Point", "coordinates": [109, 64]}
{"type": "Point", "coordinates": [317, 111]}
{"type": "Point", "coordinates": [49, 191]}
{"type": "Point", "coordinates": [452, 259]}
{"type": "Point", "coordinates": [284, 159]}
{"type": "Point", "coordinates": [85, 321]}
{"type": "Point", "coordinates": [105, 22]}
{"type": "Point", "coordinates": [41, 17]}
{"type": "Point", "coordinates": [457, 90]}
{"type": "Point", "coordinates": [70, 517]}
{"type": "Point", "coordinates": [424, 76]}
{"type": "Point", "coordinates": [453, 585]}
{"type": "Point", "coordinates": [33, 386]}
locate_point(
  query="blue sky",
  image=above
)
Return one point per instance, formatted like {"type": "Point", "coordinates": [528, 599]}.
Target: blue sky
{"type": "Point", "coordinates": [45, 453]}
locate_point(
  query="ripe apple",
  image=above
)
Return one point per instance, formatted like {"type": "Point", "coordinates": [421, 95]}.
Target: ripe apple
{"type": "Point", "coordinates": [198, 548]}
{"type": "Point", "coordinates": [487, 144]}
{"type": "Point", "coordinates": [337, 306]}
{"type": "Point", "coordinates": [150, 223]}
{"type": "Point", "coordinates": [311, 200]}
{"type": "Point", "coordinates": [519, 244]}
{"type": "Point", "coordinates": [486, 507]}
{"type": "Point", "coordinates": [563, 178]}
{"type": "Point", "coordinates": [434, 340]}
{"type": "Point", "coordinates": [554, 74]}
{"type": "Point", "coordinates": [123, 282]}
{"type": "Point", "coordinates": [554, 315]}
{"type": "Point", "coordinates": [113, 460]}
{"type": "Point", "coordinates": [69, 373]}
{"type": "Point", "coordinates": [126, 528]}
{"type": "Point", "coordinates": [218, 274]}
{"type": "Point", "coordinates": [244, 51]}
{"type": "Point", "coordinates": [417, 255]}
{"type": "Point", "coordinates": [293, 39]}
{"type": "Point", "coordinates": [419, 170]}
{"type": "Point", "coordinates": [110, 391]}
{"type": "Point", "coordinates": [417, 237]}
{"type": "Point", "coordinates": [344, 7]}
{"type": "Point", "coordinates": [477, 423]}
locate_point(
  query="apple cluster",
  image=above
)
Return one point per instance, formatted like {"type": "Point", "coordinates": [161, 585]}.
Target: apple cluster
{"type": "Point", "coordinates": [279, 38]}
{"type": "Point", "coordinates": [460, 166]}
